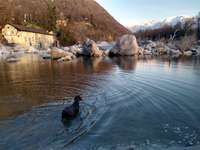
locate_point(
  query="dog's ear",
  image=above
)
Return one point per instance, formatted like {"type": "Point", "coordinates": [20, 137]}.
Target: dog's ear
{"type": "Point", "coordinates": [78, 98]}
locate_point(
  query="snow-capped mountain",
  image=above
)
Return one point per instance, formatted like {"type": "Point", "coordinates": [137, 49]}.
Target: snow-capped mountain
{"type": "Point", "coordinates": [171, 21]}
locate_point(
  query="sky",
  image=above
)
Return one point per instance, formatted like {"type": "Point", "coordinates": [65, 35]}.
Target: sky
{"type": "Point", "coordinates": [133, 12]}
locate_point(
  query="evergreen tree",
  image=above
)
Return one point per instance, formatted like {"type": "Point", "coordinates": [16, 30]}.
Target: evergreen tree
{"type": "Point", "coordinates": [51, 12]}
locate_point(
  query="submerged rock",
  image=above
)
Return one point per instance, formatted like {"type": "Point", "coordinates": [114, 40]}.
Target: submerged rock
{"type": "Point", "coordinates": [126, 46]}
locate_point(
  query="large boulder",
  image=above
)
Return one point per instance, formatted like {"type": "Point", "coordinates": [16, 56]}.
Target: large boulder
{"type": "Point", "coordinates": [91, 49]}
{"type": "Point", "coordinates": [59, 53]}
{"type": "Point", "coordinates": [126, 46]}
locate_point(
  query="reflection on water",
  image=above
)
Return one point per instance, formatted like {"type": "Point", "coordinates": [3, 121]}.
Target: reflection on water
{"type": "Point", "coordinates": [143, 103]}
{"type": "Point", "coordinates": [126, 63]}
{"type": "Point", "coordinates": [33, 81]}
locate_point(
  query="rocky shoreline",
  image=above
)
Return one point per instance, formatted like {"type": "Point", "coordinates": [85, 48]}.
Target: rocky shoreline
{"type": "Point", "coordinates": [127, 45]}
{"type": "Point", "coordinates": [170, 48]}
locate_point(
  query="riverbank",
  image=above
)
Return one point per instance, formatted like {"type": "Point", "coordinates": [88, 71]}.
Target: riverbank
{"type": "Point", "coordinates": [127, 45]}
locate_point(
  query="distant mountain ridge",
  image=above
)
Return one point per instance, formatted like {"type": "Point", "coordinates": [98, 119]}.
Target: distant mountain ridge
{"type": "Point", "coordinates": [151, 25]}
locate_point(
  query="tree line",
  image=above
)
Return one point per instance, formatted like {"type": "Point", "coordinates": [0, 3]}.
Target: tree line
{"type": "Point", "coordinates": [188, 28]}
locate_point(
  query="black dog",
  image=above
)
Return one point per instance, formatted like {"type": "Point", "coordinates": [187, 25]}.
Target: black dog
{"type": "Point", "coordinates": [72, 111]}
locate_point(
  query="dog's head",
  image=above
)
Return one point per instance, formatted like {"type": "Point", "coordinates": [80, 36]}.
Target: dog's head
{"type": "Point", "coordinates": [78, 98]}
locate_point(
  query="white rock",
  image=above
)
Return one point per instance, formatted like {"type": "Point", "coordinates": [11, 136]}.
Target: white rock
{"type": "Point", "coordinates": [66, 48]}
{"type": "Point", "coordinates": [76, 49]}
{"type": "Point", "coordinates": [18, 48]}
{"type": "Point", "coordinates": [105, 45]}
{"type": "Point", "coordinates": [188, 53]}
{"type": "Point", "coordinates": [48, 50]}
{"type": "Point", "coordinates": [147, 52]}
{"type": "Point", "coordinates": [32, 50]}
{"type": "Point", "coordinates": [126, 46]}
{"type": "Point", "coordinates": [173, 52]}
{"type": "Point", "coordinates": [171, 46]}
{"type": "Point", "coordinates": [152, 44]}
{"type": "Point", "coordinates": [148, 47]}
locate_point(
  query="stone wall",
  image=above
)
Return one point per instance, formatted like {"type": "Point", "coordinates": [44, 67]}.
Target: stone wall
{"type": "Point", "coordinates": [37, 40]}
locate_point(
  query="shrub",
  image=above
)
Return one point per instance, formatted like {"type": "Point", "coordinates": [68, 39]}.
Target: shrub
{"type": "Point", "coordinates": [186, 42]}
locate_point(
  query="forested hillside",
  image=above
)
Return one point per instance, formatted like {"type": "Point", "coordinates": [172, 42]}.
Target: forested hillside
{"type": "Point", "coordinates": [71, 20]}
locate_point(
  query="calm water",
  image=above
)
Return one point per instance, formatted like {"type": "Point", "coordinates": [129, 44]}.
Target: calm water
{"type": "Point", "coordinates": [129, 103]}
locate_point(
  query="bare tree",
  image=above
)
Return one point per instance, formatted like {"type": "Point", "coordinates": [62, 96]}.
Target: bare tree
{"type": "Point", "coordinates": [172, 37]}
{"type": "Point", "coordinates": [186, 42]}
{"type": "Point", "coordinates": [51, 14]}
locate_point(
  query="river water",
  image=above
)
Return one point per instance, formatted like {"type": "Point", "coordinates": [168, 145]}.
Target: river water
{"type": "Point", "coordinates": [129, 103]}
